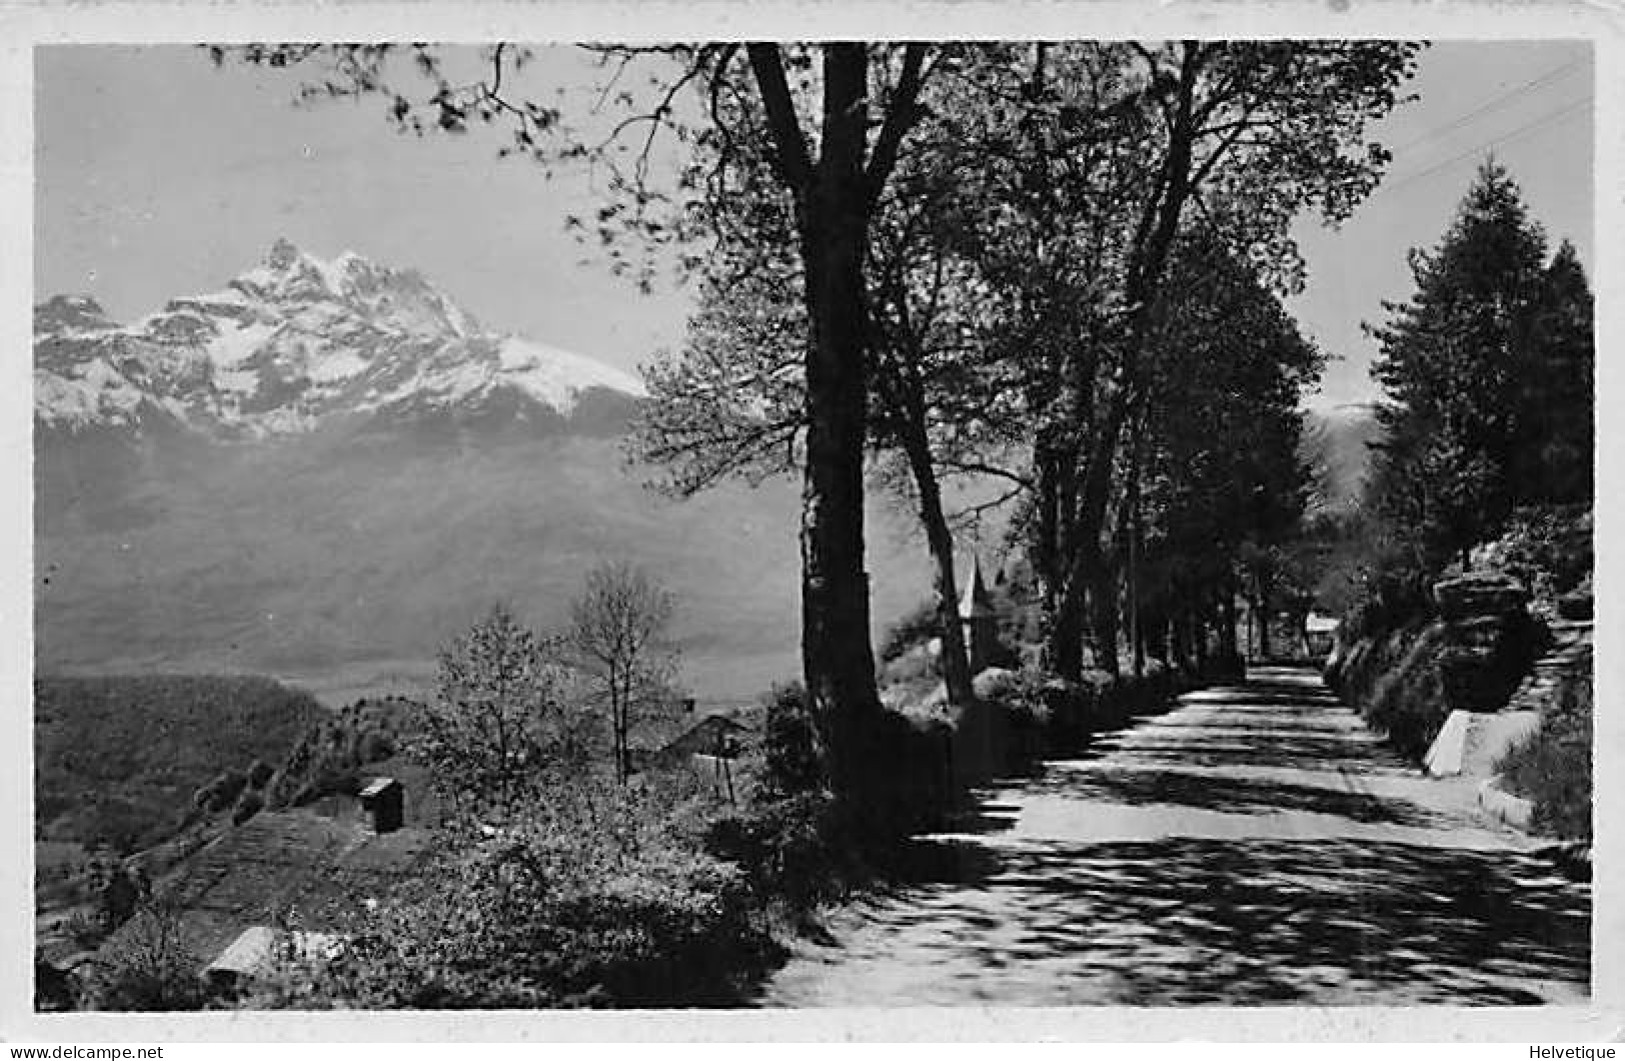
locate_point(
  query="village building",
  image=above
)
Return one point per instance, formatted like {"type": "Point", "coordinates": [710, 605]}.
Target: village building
{"type": "Point", "coordinates": [709, 748]}
{"type": "Point", "coordinates": [260, 949]}
{"type": "Point", "coordinates": [712, 736]}
{"type": "Point", "coordinates": [1319, 634]}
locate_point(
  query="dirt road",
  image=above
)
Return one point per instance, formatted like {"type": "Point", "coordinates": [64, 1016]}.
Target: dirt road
{"type": "Point", "coordinates": [1257, 845]}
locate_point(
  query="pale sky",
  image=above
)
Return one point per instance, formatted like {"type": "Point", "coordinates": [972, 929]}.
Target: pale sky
{"type": "Point", "coordinates": [158, 175]}
{"type": "Point", "coordinates": [1529, 103]}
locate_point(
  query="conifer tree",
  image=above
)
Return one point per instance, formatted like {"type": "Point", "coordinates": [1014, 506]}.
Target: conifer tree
{"type": "Point", "coordinates": [1476, 417]}
{"type": "Point", "coordinates": [1557, 456]}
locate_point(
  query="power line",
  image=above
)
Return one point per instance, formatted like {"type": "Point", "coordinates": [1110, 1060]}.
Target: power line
{"type": "Point", "coordinates": [1544, 120]}
{"type": "Point", "coordinates": [1539, 82]}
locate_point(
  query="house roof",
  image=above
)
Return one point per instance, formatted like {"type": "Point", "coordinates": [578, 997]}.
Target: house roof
{"type": "Point", "coordinates": [318, 868]}
{"type": "Point", "coordinates": [253, 951]}
{"type": "Point", "coordinates": [377, 785]}
{"type": "Point", "coordinates": [705, 736]}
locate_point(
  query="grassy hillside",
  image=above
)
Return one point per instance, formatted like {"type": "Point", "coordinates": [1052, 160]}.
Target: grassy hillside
{"type": "Point", "coordinates": [339, 560]}
{"type": "Point", "coordinates": [117, 759]}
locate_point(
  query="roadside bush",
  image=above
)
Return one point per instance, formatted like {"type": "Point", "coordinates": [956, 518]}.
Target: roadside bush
{"type": "Point", "coordinates": [917, 790]}
{"type": "Point", "coordinates": [374, 747]}
{"type": "Point", "coordinates": [1395, 594]}
{"type": "Point", "coordinates": [590, 900]}
{"type": "Point", "coordinates": [1157, 686]}
{"type": "Point", "coordinates": [791, 763]}
{"type": "Point", "coordinates": [1047, 715]}
{"type": "Point", "coordinates": [787, 838]}
{"type": "Point", "coordinates": [87, 932]}
{"type": "Point", "coordinates": [1552, 767]}
{"type": "Point", "coordinates": [259, 774]}
{"type": "Point", "coordinates": [1358, 664]}
{"type": "Point", "coordinates": [54, 990]}
{"type": "Point", "coordinates": [1077, 709]}
{"type": "Point", "coordinates": [1013, 688]}
{"type": "Point", "coordinates": [1006, 730]}
{"type": "Point", "coordinates": [789, 850]}
{"type": "Point", "coordinates": [914, 629]}
{"type": "Point", "coordinates": [221, 792]}
{"type": "Point", "coordinates": [117, 890]}
{"type": "Point", "coordinates": [916, 667]}
{"type": "Point", "coordinates": [1225, 667]}
{"type": "Point", "coordinates": [1407, 700]}
{"type": "Point", "coordinates": [1548, 548]}
{"type": "Point", "coordinates": [146, 967]}
{"type": "Point", "coordinates": [794, 842]}
{"type": "Point", "coordinates": [249, 804]}
{"type": "Point", "coordinates": [1398, 681]}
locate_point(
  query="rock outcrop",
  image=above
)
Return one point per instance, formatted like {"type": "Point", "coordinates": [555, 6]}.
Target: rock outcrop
{"type": "Point", "coordinates": [1492, 641]}
{"type": "Point", "coordinates": [1569, 656]}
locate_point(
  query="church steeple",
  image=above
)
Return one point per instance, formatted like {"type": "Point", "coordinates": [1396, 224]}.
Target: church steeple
{"type": "Point", "coordinates": [980, 620]}
{"type": "Point", "coordinates": [974, 602]}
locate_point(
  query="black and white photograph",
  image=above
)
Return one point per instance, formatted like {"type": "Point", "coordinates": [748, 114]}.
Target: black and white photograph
{"type": "Point", "coordinates": [1093, 521]}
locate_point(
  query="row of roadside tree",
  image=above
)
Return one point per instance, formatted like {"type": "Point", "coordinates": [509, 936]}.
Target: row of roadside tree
{"type": "Point", "coordinates": [1045, 274]}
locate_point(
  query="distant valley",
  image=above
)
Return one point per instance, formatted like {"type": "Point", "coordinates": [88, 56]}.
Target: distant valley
{"type": "Point", "coordinates": [328, 469]}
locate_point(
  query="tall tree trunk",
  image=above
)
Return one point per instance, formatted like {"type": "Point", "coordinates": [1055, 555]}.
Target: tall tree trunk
{"type": "Point", "coordinates": [1227, 622]}
{"type": "Point", "coordinates": [1060, 591]}
{"type": "Point", "coordinates": [1177, 640]}
{"type": "Point", "coordinates": [837, 659]}
{"type": "Point", "coordinates": [1154, 633]}
{"type": "Point", "coordinates": [1079, 555]}
{"type": "Point", "coordinates": [901, 389]}
{"type": "Point", "coordinates": [1260, 609]}
{"type": "Point", "coordinates": [1197, 609]}
{"type": "Point", "coordinates": [1136, 548]}
{"type": "Point", "coordinates": [1136, 629]}
{"type": "Point", "coordinates": [1103, 613]}
{"type": "Point", "coordinates": [1063, 636]}
{"type": "Point", "coordinates": [835, 195]}
{"type": "Point", "coordinates": [956, 674]}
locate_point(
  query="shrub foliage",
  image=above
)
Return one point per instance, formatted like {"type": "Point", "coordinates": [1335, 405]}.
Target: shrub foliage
{"type": "Point", "coordinates": [595, 899]}
{"type": "Point", "coordinates": [1553, 766]}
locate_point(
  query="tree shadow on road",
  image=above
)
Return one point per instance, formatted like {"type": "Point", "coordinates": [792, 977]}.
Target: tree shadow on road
{"type": "Point", "coordinates": [1189, 921]}
{"type": "Point", "coordinates": [1265, 695]}
{"type": "Point", "coordinates": [1230, 795]}
{"type": "Point", "coordinates": [1281, 750]}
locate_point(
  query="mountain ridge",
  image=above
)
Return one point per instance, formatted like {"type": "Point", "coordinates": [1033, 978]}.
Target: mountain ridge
{"type": "Point", "coordinates": [1337, 446]}
{"type": "Point", "coordinates": [294, 343]}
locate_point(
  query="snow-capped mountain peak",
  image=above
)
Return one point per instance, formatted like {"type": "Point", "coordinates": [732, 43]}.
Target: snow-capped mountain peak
{"type": "Point", "coordinates": [291, 343]}
{"type": "Point", "coordinates": [398, 299]}
{"type": "Point", "coordinates": [558, 376]}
